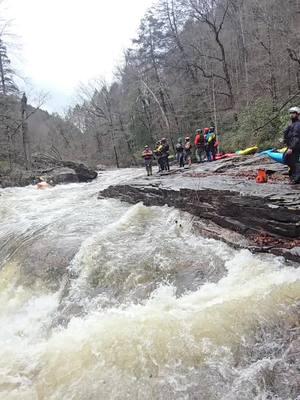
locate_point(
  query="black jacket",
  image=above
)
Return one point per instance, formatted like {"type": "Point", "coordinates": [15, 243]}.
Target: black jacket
{"type": "Point", "coordinates": [165, 149]}
{"type": "Point", "coordinates": [292, 136]}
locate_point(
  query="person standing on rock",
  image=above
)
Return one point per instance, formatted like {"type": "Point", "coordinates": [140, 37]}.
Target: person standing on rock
{"type": "Point", "coordinates": [292, 140]}
{"type": "Point", "coordinates": [211, 142]}
{"type": "Point", "coordinates": [165, 154]}
{"type": "Point", "coordinates": [148, 158]}
{"type": "Point", "coordinates": [200, 146]}
{"type": "Point", "coordinates": [206, 145]}
{"type": "Point", "coordinates": [179, 153]}
{"type": "Point", "coordinates": [159, 156]}
{"type": "Point", "coordinates": [188, 151]}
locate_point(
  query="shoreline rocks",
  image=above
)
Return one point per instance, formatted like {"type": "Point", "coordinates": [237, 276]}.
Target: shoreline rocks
{"type": "Point", "coordinates": [261, 217]}
{"type": "Point", "coordinates": [60, 172]}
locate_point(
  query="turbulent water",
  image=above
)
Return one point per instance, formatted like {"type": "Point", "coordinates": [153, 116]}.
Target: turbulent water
{"type": "Point", "coordinates": [104, 300]}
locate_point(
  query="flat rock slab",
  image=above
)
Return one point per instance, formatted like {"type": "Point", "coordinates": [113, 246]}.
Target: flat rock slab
{"type": "Point", "coordinates": [267, 215]}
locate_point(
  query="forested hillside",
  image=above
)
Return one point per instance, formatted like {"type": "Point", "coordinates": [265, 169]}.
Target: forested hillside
{"type": "Point", "coordinates": [230, 63]}
{"type": "Point", "coordinates": [234, 64]}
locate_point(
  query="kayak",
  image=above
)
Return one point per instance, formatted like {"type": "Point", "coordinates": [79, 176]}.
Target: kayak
{"type": "Point", "coordinates": [226, 155]}
{"type": "Point", "coordinates": [265, 152]}
{"type": "Point", "coordinates": [283, 150]}
{"type": "Point", "coordinates": [276, 156]}
{"type": "Point", "coordinates": [249, 150]}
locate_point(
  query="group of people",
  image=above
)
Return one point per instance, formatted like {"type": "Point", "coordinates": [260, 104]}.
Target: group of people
{"type": "Point", "coordinates": [205, 148]}
{"type": "Point", "coordinates": [205, 145]}
{"type": "Point", "coordinates": [161, 153]}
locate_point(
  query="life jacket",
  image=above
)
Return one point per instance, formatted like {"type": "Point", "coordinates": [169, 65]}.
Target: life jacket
{"type": "Point", "coordinates": [179, 148]}
{"type": "Point", "coordinates": [147, 154]}
{"type": "Point", "coordinates": [188, 146]}
{"type": "Point", "coordinates": [158, 150]}
{"type": "Point", "coordinates": [199, 140]}
{"type": "Point", "coordinates": [210, 137]}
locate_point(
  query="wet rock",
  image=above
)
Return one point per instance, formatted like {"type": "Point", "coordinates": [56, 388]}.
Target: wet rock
{"type": "Point", "coordinates": [84, 174]}
{"type": "Point", "coordinates": [62, 175]}
{"type": "Point", "coordinates": [230, 202]}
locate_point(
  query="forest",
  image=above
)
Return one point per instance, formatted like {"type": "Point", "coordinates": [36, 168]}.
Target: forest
{"type": "Point", "coordinates": [231, 64]}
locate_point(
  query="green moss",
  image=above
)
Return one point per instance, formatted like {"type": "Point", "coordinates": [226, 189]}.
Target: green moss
{"type": "Point", "coordinates": [243, 134]}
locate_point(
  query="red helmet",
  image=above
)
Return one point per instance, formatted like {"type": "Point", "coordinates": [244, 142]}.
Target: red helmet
{"type": "Point", "coordinates": [206, 130]}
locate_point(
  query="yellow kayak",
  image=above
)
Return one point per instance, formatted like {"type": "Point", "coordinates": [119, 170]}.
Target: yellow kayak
{"type": "Point", "coordinates": [283, 150]}
{"type": "Point", "coordinates": [249, 150]}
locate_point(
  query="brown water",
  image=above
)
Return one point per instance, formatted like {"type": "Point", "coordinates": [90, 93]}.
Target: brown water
{"type": "Point", "coordinates": [103, 300]}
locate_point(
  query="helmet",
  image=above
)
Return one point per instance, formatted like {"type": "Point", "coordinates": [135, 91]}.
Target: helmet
{"type": "Point", "coordinates": [294, 110]}
{"type": "Point", "coordinates": [187, 138]}
{"type": "Point", "coordinates": [198, 130]}
{"type": "Point", "coordinates": [163, 139]}
{"type": "Point", "coordinates": [146, 147]}
{"type": "Point", "coordinates": [179, 140]}
{"type": "Point", "coordinates": [206, 130]}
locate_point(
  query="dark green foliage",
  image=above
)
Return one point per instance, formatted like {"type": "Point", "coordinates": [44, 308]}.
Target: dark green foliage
{"type": "Point", "coordinates": [244, 130]}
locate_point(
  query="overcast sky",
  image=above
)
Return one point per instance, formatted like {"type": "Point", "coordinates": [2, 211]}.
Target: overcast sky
{"type": "Point", "coordinates": [66, 42]}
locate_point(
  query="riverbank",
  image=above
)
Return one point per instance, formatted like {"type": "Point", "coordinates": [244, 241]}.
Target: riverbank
{"type": "Point", "coordinates": [229, 204]}
{"type": "Point", "coordinates": [52, 170]}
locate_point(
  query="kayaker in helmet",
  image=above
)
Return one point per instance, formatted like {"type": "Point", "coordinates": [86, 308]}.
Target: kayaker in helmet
{"type": "Point", "coordinates": [211, 141]}
{"type": "Point", "coordinates": [42, 184]}
{"type": "Point", "coordinates": [148, 157]}
{"type": "Point", "coordinates": [292, 140]}
{"type": "Point", "coordinates": [200, 145]}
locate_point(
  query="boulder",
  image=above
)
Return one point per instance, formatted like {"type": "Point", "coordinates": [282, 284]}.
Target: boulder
{"type": "Point", "coordinates": [62, 175]}
{"type": "Point", "coordinates": [84, 174]}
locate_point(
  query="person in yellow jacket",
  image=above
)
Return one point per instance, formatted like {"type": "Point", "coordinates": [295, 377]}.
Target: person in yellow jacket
{"type": "Point", "coordinates": [212, 144]}
{"type": "Point", "coordinates": [158, 152]}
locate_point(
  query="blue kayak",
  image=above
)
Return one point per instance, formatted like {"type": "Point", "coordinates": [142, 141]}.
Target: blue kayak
{"type": "Point", "coordinates": [278, 157]}
{"type": "Point", "coordinates": [265, 152]}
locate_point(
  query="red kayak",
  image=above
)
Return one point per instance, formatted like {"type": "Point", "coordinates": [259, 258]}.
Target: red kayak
{"type": "Point", "coordinates": [226, 155]}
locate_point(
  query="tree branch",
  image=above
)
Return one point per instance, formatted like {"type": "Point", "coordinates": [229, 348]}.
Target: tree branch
{"type": "Point", "coordinates": [278, 112]}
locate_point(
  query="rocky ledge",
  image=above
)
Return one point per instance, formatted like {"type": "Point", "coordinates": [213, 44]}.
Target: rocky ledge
{"type": "Point", "coordinates": [228, 202]}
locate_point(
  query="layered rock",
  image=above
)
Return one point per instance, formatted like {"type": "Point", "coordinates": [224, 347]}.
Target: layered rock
{"type": "Point", "coordinates": [266, 215]}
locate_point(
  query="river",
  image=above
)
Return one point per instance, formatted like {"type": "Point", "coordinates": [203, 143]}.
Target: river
{"type": "Point", "coordinates": [104, 300]}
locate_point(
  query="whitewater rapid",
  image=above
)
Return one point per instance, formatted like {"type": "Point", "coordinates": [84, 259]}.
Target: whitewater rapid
{"type": "Point", "coordinates": [104, 300]}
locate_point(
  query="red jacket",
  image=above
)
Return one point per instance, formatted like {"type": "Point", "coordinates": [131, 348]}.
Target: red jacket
{"type": "Point", "coordinates": [199, 139]}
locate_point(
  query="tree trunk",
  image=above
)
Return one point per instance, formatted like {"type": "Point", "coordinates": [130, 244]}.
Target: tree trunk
{"type": "Point", "coordinates": [2, 76]}
{"type": "Point", "coordinates": [26, 144]}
